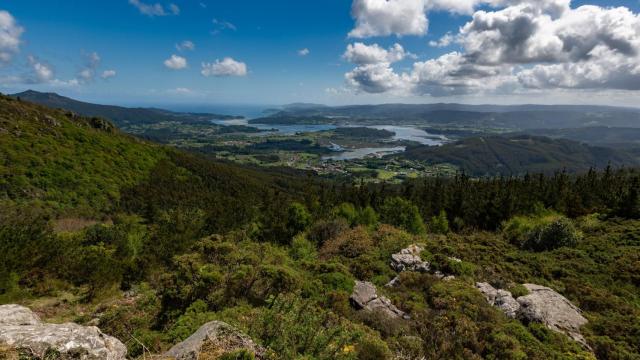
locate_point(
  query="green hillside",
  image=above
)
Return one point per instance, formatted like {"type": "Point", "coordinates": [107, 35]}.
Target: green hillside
{"type": "Point", "coordinates": [121, 116]}
{"type": "Point", "coordinates": [518, 155]}
{"type": "Point", "coordinates": [67, 162]}
{"type": "Point", "coordinates": [178, 240]}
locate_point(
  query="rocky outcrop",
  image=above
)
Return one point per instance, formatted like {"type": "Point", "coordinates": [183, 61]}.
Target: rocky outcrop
{"type": "Point", "coordinates": [409, 260]}
{"type": "Point", "coordinates": [20, 328]}
{"type": "Point", "coordinates": [502, 299]}
{"type": "Point", "coordinates": [365, 297]}
{"type": "Point", "coordinates": [17, 315]}
{"type": "Point", "coordinates": [542, 305]}
{"type": "Point", "coordinates": [546, 306]}
{"type": "Point", "coordinates": [212, 340]}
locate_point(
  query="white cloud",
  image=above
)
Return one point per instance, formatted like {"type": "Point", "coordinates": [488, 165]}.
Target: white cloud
{"type": "Point", "coordinates": [175, 10]}
{"type": "Point", "coordinates": [107, 74]}
{"type": "Point", "coordinates": [186, 45]}
{"type": "Point", "coordinates": [176, 62]}
{"type": "Point", "coordinates": [389, 17]}
{"type": "Point", "coordinates": [88, 72]}
{"type": "Point", "coordinates": [10, 33]}
{"type": "Point", "coordinates": [222, 25]}
{"type": "Point", "coordinates": [375, 79]}
{"type": "Point", "coordinates": [444, 41]}
{"type": "Point", "coordinates": [41, 71]}
{"type": "Point", "coordinates": [156, 9]}
{"type": "Point", "coordinates": [227, 67]}
{"type": "Point", "coordinates": [361, 54]}
{"type": "Point", "coordinates": [304, 52]}
{"type": "Point", "coordinates": [520, 45]}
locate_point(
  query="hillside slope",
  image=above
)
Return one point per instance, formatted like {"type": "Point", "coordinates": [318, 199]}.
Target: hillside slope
{"type": "Point", "coordinates": [121, 116]}
{"type": "Point", "coordinates": [66, 161]}
{"type": "Point", "coordinates": [517, 155]}
{"type": "Point", "coordinates": [492, 116]}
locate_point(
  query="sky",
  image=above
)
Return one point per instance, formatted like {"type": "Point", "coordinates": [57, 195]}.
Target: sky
{"type": "Point", "coordinates": [157, 52]}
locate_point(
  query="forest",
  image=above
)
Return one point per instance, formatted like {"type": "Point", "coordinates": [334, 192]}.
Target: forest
{"type": "Point", "coordinates": [150, 242]}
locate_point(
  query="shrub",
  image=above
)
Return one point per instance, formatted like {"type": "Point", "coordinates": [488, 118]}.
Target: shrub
{"type": "Point", "coordinates": [541, 233]}
{"type": "Point", "coordinates": [402, 213]}
{"type": "Point", "coordinates": [323, 230]}
{"type": "Point", "coordinates": [347, 212]}
{"type": "Point", "coordinates": [439, 224]}
{"type": "Point", "coordinates": [351, 243]}
{"type": "Point", "coordinates": [518, 290]}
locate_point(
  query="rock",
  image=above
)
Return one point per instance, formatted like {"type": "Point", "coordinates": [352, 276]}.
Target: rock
{"type": "Point", "coordinates": [502, 299]}
{"type": "Point", "coordinates": [20, 328]}
{"type": "Point", "coordinates": [365, 297]}
{"type": "Point", "coordinates": [17, 315]}
{"type": "Point", "coordinates": [214, 338]}
{"type": "Point", "coordinates": [409, 260]}
{"type": "Point", "coordinates": [363, 293]}
{"type": "Point", "coordinates": [546, 306]}
{"type": "Point", "coordinates": [394, 282]}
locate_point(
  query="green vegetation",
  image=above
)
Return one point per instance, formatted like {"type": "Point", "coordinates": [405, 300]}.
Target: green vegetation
{"type": "Point", "coordinates": [183, 239]}
{"type": "Point", "coordinates": [518, 155]}
{"type": "Point", "coordinates": [58, 160]}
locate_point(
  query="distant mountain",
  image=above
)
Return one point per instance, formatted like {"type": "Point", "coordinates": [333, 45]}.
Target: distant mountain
{"type": "Point", "coordinates": [121, 116]}
{"type": "Point", "coordinates": [517, 155]}
{"type": "Point", "coordinates": [494, 116]}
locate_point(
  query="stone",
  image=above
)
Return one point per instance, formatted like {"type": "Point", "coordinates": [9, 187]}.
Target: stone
{"type": "Point", "coordinates": [20, 328]}
{"type": "Point", "coordinates": [502, 299]}
{"type": "Point", "coordinates": [214, 336]}
{"type": "Point", "coordinates": [365, 297]}
{"type": "Point", "coordinates": [394, 282]}
{"type": "Point", "coordinates": [409, 260]}
{"type": "Point", "coordinates": [17, 315]}
{"type": "Point", "coordinates": [363, 293]}
{"type": "Point", "coordinates": [544, 305]}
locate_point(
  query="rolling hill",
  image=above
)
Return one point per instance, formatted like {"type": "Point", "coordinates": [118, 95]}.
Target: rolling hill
{"type": "Point", "coordinates": [121, 116]}
{"type": "Point", "coordinates": [517, 155]}
{"type": "Point", "coordinates": [492, 116]}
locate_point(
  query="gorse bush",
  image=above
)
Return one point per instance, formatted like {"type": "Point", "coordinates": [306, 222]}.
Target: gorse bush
{"type": "Point", "coordinates": [541, 233]}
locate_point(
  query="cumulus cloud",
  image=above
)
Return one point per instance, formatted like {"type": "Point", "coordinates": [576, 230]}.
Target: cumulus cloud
{"type": "Point", "coordinates": [389, 17]}
{"type": "Point", "coordinates": [41, 72]}
{"type": "Point", "coordinates": [361, 54]}
{"type": "Point", "coordinates": [186, 45]}
{"type": "Point", "coordinates": [444, 41]}
{"type": "Point", "coordinates": [227, 67]}
{"type": "Point", "coordinates": [108, 74]}
{"type": "Point", "coordinates": [303, 52]}
{"type": "Point", "coordinates": [176, 62]}
{"type": "Point", "coordinates": [520, 44]}
{"type": "Point", "coordinates": [155, 9]}
{"type": "Point", "coordinates": [375, 79]}
{"type": "Point", "coordinates": [10, 33]}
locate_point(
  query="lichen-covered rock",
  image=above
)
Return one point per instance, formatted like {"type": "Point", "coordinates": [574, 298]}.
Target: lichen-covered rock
{"type": "Point", "coordinates": [409, 260]}
{"type": "Point", "coordinates": [22, 329]}
{"type": "Point", "coordinates": [365, 297]}
{"type": "Point", "coordinates": [214, 338]}
{"type": "Point", "coordinates": [546, 306]}
{"type": "Point", "coordinates": [502, 299]}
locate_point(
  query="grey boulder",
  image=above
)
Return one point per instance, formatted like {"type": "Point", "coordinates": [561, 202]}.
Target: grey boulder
{"type": "Point", "coordinates": [502, 299]}
{"type": "Point", "coordinates": [221, 336]}
{"type": "Point", "coordinates": [546, 306]}
{"type": "Point", "coordinates": [365, 297]}
{"type": "Point", "coordinates": [409, 260]}
{"type": "Point", "coordinates": [20, 328]}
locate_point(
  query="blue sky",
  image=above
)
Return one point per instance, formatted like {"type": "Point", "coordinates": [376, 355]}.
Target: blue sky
{"type": "Point", "coordinates": [266, 37]}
